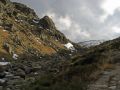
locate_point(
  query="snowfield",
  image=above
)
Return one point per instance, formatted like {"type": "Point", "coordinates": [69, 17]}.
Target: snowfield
{"type": "Point", "coordinates": [69, 46]}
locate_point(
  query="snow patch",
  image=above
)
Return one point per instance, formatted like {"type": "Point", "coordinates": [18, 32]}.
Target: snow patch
{"type": "Point", "coordinates": [4, 30]}
{"type": "Point", "coordinates": [4, 63]}
{"type": "Point", "coordinates": [2, 81]}
{"type": "Point", "coordinates": [40, 57]}
{"type": "Point", "coordinates": [48, 29]}
{"type": "Point", "coordinates": [91, 43]}
{"type": "Point", "coordinates": [40, 27]}
{"type": "Point", "coordinates": [56, 40]}
{"type": "Point", "coordinates": [3, 59]}
{"type": "Point", "coordinates": [38, 41]}
{"type": "Point", "coordinates": [32, 25]}
{"type": "Point", "coordinates": [36, 73]}
{"type": "Point", "coordinates": [15, 56]}
{"type": "Point", "coordinates": [21, 20]}
{"type": "Point", "coordinates": [69, 46]}
{"type": "Point", "coordinates": [36, 21]}
{"type": "Point", "coordinates": [16, 20]}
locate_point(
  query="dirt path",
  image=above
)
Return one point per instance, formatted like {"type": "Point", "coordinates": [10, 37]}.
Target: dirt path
{"type": "Point", "coordinates": [109, 80]}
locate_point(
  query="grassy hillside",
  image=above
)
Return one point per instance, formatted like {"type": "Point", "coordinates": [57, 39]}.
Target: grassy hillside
{"type": "Point", "coordinates": [24, 32]}
{"type": "Point", "coordinates": [77, 73]}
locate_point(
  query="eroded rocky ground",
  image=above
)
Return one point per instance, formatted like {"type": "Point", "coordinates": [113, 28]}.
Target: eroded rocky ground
{"type": "Point", "coordinates": [109, 80]}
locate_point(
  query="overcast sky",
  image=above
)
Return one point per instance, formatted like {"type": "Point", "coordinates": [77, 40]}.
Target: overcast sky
{"type": "Point", "coordinates": [81, 20]}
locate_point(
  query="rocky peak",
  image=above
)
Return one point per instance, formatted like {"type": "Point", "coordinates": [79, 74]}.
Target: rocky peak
{"type": "Point", "coordinates": [47, 23]}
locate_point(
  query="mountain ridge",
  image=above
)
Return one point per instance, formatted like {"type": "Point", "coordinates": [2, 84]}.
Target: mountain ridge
{"type": "Point", "coordinates": [22, 27]}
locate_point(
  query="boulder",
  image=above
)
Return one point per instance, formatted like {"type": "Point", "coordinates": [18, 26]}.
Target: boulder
{"type": "Point", "coordinates": [2, 82]}
{"type": "Point", "coordinates": [28, 70]}
{"type": "Point", "coordinates": [20, 73]}
{"type": "Point", "coordinates": [2, 75]}
{"type": "Point", "coordinates": [47, 23]}
{"type": "Point", "coordinates": [8, 48]}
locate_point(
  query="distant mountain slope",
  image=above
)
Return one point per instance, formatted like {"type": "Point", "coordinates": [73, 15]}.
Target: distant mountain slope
{"type": "Point", "coordinates": [90, 43]}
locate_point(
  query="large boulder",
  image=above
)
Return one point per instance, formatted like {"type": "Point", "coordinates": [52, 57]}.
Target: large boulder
{"type": "Point", "coordinates": [47, 23]}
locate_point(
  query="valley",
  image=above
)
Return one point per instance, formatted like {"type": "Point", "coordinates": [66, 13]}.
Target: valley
{"type": "Point", "coordinates": [35, 55]}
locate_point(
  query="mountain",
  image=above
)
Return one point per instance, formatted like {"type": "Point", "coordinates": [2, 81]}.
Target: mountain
{"type": "Point", "coordinates": [35, 55]}
{"type": "Point", "coordinates": [29, 46]}
{"type": "Point", "coordinates": [22, 31]}
{"type": "Point", "coordinates": [90, 43]}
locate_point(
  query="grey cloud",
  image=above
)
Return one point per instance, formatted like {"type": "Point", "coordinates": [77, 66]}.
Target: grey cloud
{"type": "Point", "coordinates": [115, 18]}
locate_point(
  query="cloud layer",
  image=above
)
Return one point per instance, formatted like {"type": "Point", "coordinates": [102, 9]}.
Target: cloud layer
{"type": "Point", "coordinates": [81, 20]}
